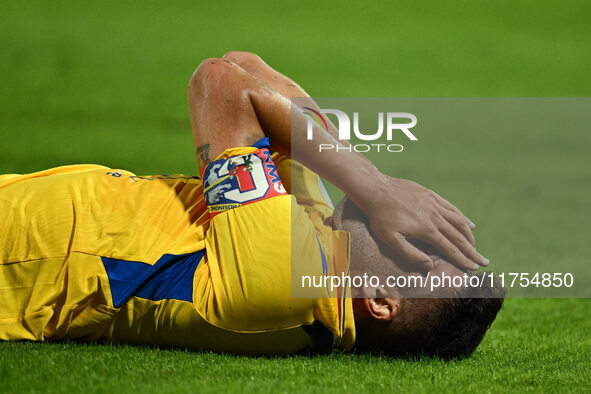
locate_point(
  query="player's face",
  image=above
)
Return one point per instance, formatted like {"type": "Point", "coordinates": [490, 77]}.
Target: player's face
{"type": "Point", "coordinates": [400, 279]}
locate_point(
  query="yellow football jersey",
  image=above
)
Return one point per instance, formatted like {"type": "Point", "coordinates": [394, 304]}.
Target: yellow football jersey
{"type": "Point", "coordinates": [89, 252]}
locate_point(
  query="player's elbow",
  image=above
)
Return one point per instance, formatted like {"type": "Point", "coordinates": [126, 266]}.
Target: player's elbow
{"type": "Point", "coordinates": [211, 74]}
{"type": "Point", "coordinates": [204, 70]}
{"type": "Point", "coordinates": [246, 60]}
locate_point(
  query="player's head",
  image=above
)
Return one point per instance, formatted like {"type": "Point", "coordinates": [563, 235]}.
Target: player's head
{"type": "Point", "coordinates": [397, 322]}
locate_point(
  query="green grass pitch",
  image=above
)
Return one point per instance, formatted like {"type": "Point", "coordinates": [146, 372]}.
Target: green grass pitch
{"type": "Point", "coordinates": [105, 83]}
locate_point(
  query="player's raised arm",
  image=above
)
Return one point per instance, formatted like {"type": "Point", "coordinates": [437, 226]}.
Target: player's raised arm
{"type": "Point", "coordinates": [237, 100]}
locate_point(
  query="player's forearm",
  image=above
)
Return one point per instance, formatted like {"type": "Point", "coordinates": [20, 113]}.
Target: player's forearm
{"type": "Point", "coordinates": [286, 125]}
{"type": "Point", "coordinates": [350, 171]}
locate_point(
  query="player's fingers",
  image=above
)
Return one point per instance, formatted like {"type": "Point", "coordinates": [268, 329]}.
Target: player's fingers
{"type": "Point", "coordinates": [451, 251]}
{"type": "Point", "coordinates": [447, 205]}
{"type": "Point", "coordinates": [411, 253]}
{"type": "Point", "coordinates": [459, 223]}
{"type": "Point", "coordinates": [453, 235]}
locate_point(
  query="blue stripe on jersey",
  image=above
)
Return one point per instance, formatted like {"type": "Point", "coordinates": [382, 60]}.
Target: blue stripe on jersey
{"type": "Point", "coordinates": [171, 277]}
{"type": "Point", "coordinates": [324, 263]}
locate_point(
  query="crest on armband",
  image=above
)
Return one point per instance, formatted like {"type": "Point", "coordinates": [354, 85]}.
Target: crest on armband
{"type": "Point", "coordinates": [239, 180]}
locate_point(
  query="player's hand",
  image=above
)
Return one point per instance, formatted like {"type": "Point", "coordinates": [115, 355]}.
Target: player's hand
{"type": "Point", "coordinates": [411, 211]}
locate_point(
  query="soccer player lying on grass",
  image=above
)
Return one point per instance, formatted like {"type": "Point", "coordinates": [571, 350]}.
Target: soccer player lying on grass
{"type": "Point", "coordinates": [88, 252]}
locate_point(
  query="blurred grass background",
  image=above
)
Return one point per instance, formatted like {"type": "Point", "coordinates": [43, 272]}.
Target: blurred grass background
{"type": "Point", "coordinates": [105, 82]}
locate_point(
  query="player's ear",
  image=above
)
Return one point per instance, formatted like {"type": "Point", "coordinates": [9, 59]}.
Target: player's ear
{"type": "Point", "coordinates": [382, 308]}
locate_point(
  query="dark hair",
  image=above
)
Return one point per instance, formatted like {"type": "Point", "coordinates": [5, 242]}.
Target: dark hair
{"type": "Point", "coordinates": [447, 327]}
{"type": "Point", "coordinates": [444, 327]}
